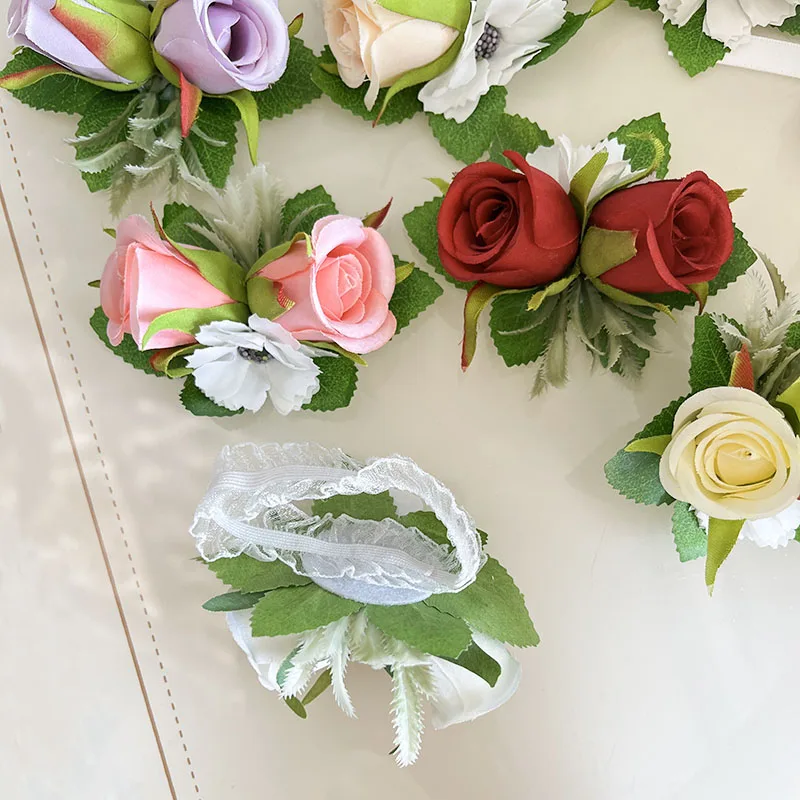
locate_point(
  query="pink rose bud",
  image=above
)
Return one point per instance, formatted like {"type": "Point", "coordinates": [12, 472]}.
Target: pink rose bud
{"type": "Point", "coordinates": [224, 45]}
{"type": "Point", "coordinates": [342, 290]}
{"type": "Point", "coordinates": [106, 41]}
{"type": "Point", "coordinates": [145, 277]}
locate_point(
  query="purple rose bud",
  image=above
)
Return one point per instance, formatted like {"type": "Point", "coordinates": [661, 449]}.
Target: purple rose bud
{"type": "Point", "coordinates": [105, 40]}
{"type": "Point", "coordinates": [224, 45]}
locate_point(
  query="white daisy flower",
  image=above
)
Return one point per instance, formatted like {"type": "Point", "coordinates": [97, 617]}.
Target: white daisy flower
{"type": "Point", "coordinates": [773, 532]}
{"type": "Point", "coordinates": [241, 365]}
{"type": "Point", "coordinates": [501, 38]}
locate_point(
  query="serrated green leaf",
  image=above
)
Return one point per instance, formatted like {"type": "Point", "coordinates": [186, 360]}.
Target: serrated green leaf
{"type": "Point", "coordinates": [711, 363]}
{"type": "Point", "coordinates": [403, 106]}
{"type": "Point", "coordinates": [791, 25]}
{"type": "Point", "coordinates": [638, 149]}
{"type": "Point", "coordinates": [411, 297]}
{"type": "Point", "coordinates": [480, 663]}
{"type": "Point", "coordinates": [126, 349]}
{"type": "Point", "coordinates": [492, 605]}
{"type": "Point", "coordinates": [468, 141]}
{"type": "Point", "coordinates": [337, 384]}
{"type": "Point", "coordinates": [635, 475]}
{"type": "Point", "coordinates": [63, 93]}
{"type": "Point", "coordinates": [424, 627]}
{"type": "Point", "coordinates": [521, 336]}
{"type": "Point", "coordinates": [302, 211]}
{"type": "Point", "coordinates": [555, 41]}
{"type": "Point", "coordinates": [692, 48]}
{"type": "Point", "coordinates": [644, 5]}
{"type": "Point", "coordinates": [297, 609]}
{"type": "Point", "coordinates": [249, 575]}
{"type": "Point", "coordinates": [691, 540]}
{"type": "Point", "coordinates": [217, 119]}
{"type": "Point", "coordinates": [358, 506]}
{"type": "Point", "coordinates": [197, 403]}
{"type": "Point", "coordinates": [176, 220]}
{"type": "Point", "coordinates": [519, 134]}
{"type": "Point", "coordinates": [232, 601]}
{"type": "Point", "coordinates": [294, 89]}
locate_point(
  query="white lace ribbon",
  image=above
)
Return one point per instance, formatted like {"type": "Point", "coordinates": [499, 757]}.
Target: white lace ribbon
{"type": "Point", "coordinates": [258, 504]}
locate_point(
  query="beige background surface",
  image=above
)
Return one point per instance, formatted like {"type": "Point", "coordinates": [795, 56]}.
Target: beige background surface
{"type": "Point", "coordinates": [115, 684]}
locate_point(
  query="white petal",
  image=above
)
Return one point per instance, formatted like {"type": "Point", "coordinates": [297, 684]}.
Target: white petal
{"type": "Point", "coordinates": [291, 389]}
{"type": "Point", "coordinates": [679, 12]}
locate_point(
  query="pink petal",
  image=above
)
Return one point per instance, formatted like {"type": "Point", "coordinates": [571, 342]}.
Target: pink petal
{"type": "Point", "coordinates": [335, 230]}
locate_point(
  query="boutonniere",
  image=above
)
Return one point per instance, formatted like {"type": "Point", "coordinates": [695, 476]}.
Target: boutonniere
{"type": "Point", "coordinates": [727, 455]}
{"type": "Point", "coordinates": [387, 60]}
{"type": "Point", "coordinates": [259, 299]}
{"type": "Point", "coordinates": [699, 34]}
{"type": "Point", "coordinates": [567, 241]}
{"type": "Point", "coordinates": [158, 91]}
{"type": "Point", "coordinates": [331, 562]}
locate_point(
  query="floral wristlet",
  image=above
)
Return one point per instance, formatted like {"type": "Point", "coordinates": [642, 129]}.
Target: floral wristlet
{"type": "Point", "coordinates": [727, 455]}
{"type": "Point", "coordinates": [260, 299]}
{"type": "Point", "coordinates": [333, 561]}
{"type": "Point", "coordinates": [586, 242]}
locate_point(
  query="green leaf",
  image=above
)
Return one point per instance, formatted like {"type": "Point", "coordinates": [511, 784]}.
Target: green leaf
{"type": "Point", "coordinates": [411, 297]}
{"type": "Point", "coordinates": [190, 320]}
{"type": "Point", "coordinates": [217, 119]}
{"type": "Point", "coordinates": [296, 706]}
{"type": "Point", "coordinates": [294, 89]}
{"type": "Point", "coordinates": [603, 249]}
{"type": "Point", "coordinates": [492, 605]}
{"type": "Point", "coordinates": [791, 25]}
{"type": "Point", "coordinates": [555, 41]}
{"type": "Point", "coordinates": [635, 475]}
{"type": "Point", "coordinates": [479, 663]}
{"type": "Point", "coordinates": [722, 537]}
{"type": "Point", "coordinates": [232, 601]}
{"type": "Point", "coordinates": [176, 220]}
{"type": "Point", "coordinates": [711, 364]}
{"type": "Point", "coordinates": [424, 627]}
{"type": "Point", "coordinates": [519, 134]}
{"type": "Point", "coordinates": [249, 575]}
{"type": "Point", "coordinates": [302, 211]}
{"type": "Point", "coordinates": [63, 93]}
{"type": "Point", "coordinates": [693, 49]}
{"type": "Point", "coordinates": [742, 258]}
{"type": "Point", "coordinates": [691, 540]}
{"type": "Point", "coordinates": [358, 506]}
{"type": "Point", "coordinates": [404, 105]}
{"type": "Point", "coordinates": [652, 444]}
{"type": "Point", "coordinates": [468, 141]}
{"type": "Point", "coordinates": [644, 5]}
{"type": "Point", "coordinates": [126, 349]}
{"type": "Point", "coordinates": [201, 406]}
{"type": "Point", "coordinates": [788, 401]}
{"type": "Point", "coordinates": [297, 609]}
{"type": "Point", "coordinates": [320, 685]}
{"type": "Point", "coordinates": [637, 137]}
{"type": "Point", "coordinates": [584, 180]}
{"type": "Point", "coordinates": [521, 336]}
{"type": "Point", "coordinates": [337, 384]}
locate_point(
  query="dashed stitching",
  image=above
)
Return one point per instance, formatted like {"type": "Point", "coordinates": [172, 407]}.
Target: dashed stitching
{"type": "Point", "coordinates": [88, 413]}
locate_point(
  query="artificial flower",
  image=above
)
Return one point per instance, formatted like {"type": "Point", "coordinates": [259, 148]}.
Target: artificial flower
{"type": "Point", "coordinates": [146, 277]}
{"type": "Point", "coordinates": [221, 46]}
{"type": "Point", "coordinates": [732, 456]}
{"type": "Point", "coordinates": [509, 228]}
{"type": "Point", "coordinates": [684, 233]}
{"type": "Point", "coordinates": [107, 40]}
{"type": "Point", "coordinates": [239, 366]}
{"type": "Point", "coordinates": [341, 290]}
{"type": "Point", "coordinates": [564, 160]}
{"type": "Point", "coordinates": [772, 532]}
{"type": "Point", "coordinates": [729, 21]}
{"type": "Point", "coordinates": [502, 37]}
{"type": "Point", "coordinates": [370, 42]}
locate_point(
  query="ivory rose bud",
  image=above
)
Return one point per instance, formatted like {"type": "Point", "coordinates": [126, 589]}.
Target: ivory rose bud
{"type": "Point", "coordinates": [341, 291]}
{"type": "Point", "coordinates": [145, 277]}
{"type": "Point", "coordinates": [732, 456]}
{"type": "Point", "coordinates": [106, 40]}
{"type": "Point", "coordinates": [224, 45]}
{"type": "Point", "coordinates": [370, 42]}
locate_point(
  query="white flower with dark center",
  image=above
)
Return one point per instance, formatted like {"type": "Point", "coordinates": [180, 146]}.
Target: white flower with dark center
{"type": "Point", "coordinates": [772, 532]}
{"type": "Point", "coordinates": [729, 21]}
{"type": "Point", "coordinates": [563, 160]}
{"type": "Point", "coordinates": [241, 365]}
{"type": "Point", "coordinates": [501, 38]}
